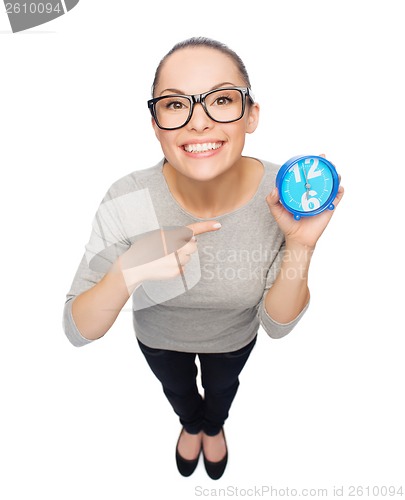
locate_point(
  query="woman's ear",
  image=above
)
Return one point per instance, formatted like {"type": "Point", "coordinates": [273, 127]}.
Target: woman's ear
{"type": "Point", "coordinates": [252, 118]}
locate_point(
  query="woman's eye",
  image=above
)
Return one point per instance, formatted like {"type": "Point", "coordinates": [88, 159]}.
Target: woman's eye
{"type": "Point", "coordinates": [175, 105]}
{"type": "Point", "coordinates": [223, 101]}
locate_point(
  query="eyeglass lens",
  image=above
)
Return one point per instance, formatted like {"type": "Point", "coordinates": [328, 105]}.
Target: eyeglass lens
{"type": "Point", "coordinates": [221, 105]}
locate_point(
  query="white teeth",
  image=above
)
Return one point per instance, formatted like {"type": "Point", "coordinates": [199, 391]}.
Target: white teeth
{"type": "Point", "coordinates": [201, 148]}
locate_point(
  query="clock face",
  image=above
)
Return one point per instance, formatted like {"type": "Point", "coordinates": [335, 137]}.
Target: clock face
{"type": "Point", "coordinates": [308, 186]}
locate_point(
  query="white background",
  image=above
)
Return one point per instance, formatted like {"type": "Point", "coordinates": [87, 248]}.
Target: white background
{"type": "Point", "coordinates": [323, 407]}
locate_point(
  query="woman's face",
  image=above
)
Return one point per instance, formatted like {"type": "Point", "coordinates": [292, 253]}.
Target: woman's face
{"type": "Point", "coordinates": [195, 71]}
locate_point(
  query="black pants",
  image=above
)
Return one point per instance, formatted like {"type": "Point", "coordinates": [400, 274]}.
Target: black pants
{"type": "Point", "coordinates": [177, 373]}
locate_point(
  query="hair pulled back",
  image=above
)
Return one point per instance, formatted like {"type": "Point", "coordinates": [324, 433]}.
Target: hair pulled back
{"type": "Point", "coordinates": [208, 43]}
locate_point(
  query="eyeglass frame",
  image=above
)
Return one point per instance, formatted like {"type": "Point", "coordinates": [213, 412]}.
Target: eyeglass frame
{"type": "Point", "coordinates": [200, 99]}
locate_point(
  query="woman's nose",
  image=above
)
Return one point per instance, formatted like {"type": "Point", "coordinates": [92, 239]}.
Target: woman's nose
{"type": "Point", "coordinates": [199, 119]}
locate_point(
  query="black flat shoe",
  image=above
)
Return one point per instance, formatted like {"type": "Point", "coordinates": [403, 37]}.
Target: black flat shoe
{"type": "Point", "coordinates": [216, 469]}
{"type": "Point", "coordinates": [185, 467]}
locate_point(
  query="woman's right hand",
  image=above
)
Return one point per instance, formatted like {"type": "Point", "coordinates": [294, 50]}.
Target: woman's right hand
{"type": "Point", "coordinates": [95, 310]}
{"type": "Point", "coordinates": [144, 262]}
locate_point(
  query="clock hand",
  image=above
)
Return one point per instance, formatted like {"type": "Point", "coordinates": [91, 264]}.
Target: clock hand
{"type": "Point", "coordinates": [307, 186]}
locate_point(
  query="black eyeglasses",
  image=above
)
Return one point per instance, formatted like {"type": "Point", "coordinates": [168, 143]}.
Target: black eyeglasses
{"type": "Point", "coordinates": [223, 105]}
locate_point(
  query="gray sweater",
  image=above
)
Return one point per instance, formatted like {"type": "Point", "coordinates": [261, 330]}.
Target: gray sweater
{"type": "Point", "coordinates": [217, 305]}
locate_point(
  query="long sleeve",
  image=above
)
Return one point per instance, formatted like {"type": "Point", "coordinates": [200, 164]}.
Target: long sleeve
{"type": "Point", "coordinates": [124, 213]}
{"type": "Point", "coordinates": [274, 329]}
{"type": "Point", "coordinates": [84, 279]}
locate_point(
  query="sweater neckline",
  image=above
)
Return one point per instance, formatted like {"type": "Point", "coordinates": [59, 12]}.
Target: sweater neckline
{"type": "Point", "coordinates": [232, 212]}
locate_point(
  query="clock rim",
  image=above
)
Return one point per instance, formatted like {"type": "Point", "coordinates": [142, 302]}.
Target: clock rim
{"type": "Point", "coordinates": [335, 179]}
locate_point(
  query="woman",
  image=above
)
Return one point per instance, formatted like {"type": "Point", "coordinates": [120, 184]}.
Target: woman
{"type": "Point", "coordinates": [204, 296]}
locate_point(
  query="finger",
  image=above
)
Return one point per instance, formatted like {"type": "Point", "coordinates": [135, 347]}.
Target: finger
{"type": "Point", "coordinates": [339, 196]}
{"type": "Point", "coordinates": [204, 226]}
{"type": "Point", "coordinates": [181, 258]}
{"type": "Point", "coordinates": [273, 201]}
{"type": "Point", "coordinates": [273, 198]}
{"type": "Point", "coordinates": [322, 155]}
{"type": "Point", "coordinates": [179, 264]}
{"type": "Point", "coordinates": [189, 248]}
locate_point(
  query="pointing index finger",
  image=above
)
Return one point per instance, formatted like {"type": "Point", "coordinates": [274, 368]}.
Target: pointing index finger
{"type": "Point", "coordinates": [204, 226]}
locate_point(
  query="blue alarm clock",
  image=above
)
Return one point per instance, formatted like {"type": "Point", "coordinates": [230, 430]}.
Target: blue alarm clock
{"type": "Point", "coordinates": [307, 185]}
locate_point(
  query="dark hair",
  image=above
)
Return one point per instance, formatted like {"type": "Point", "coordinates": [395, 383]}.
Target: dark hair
{"type": "Point", "coordinates": [201, 41]}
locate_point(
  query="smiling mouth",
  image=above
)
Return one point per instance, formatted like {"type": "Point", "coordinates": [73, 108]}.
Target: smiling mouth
{"type": "Point", "coordinates": [202, 148]}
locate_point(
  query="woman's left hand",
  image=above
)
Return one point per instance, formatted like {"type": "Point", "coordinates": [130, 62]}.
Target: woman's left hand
{"type": "Point", "coordinates": [305, 231]}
